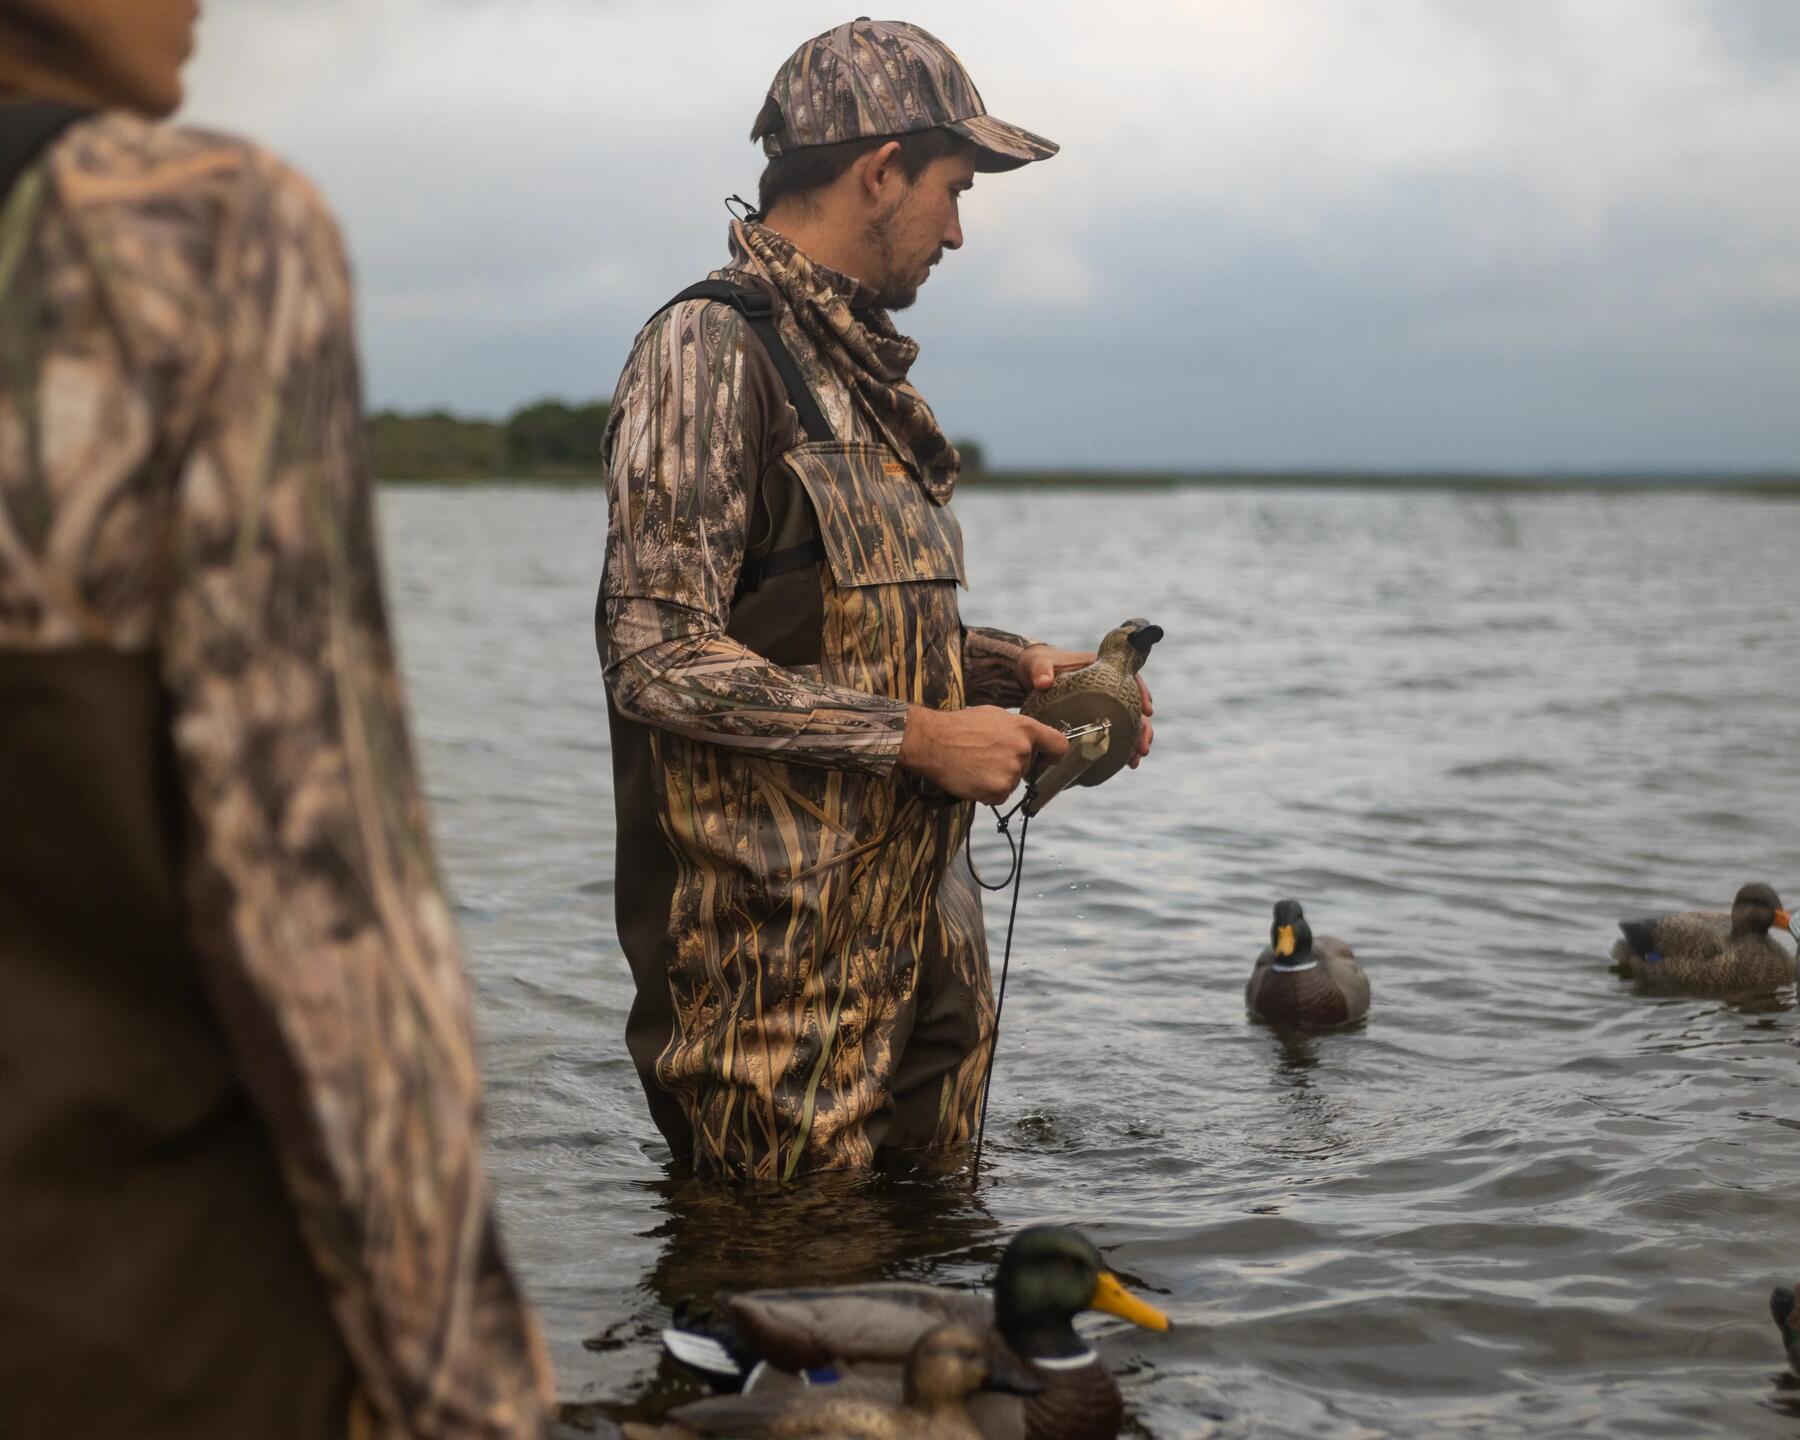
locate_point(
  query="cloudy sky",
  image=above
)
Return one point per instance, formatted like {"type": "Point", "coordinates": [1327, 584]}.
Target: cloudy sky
{"type": "Point", "coordinates": [1513, 233]}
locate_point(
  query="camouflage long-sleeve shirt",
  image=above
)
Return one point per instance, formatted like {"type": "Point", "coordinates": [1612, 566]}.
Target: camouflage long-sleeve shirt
{"type": "Point", "coordinates": [699, 416]}
{"type": "Point", "coordinates": [183, 478]}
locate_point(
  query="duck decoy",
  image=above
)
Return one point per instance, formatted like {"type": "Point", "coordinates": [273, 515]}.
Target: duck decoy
{"type": "Point", "coordinates": [945, 1367]}
{"type": "Point", "coordinates": [1305, 981]}
{"type": "Point", "coordinates": [855, 1334]}
{"type": "Point", "coordinates": [1709, 949]}
{"type": "Point", "coordinates": [1100, 707]}
{"type": "Point", "coordinates": [1781, 1306]}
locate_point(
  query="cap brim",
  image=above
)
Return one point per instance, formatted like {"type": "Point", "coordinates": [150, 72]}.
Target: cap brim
{"type": "Point", "coordinates": [1001, 146]}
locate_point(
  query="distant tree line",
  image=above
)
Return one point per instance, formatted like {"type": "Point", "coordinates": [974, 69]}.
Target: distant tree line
{"type": "Point", "coordinates": [552, 441]}
{"type": "Point", "coordinates": [547, 440]}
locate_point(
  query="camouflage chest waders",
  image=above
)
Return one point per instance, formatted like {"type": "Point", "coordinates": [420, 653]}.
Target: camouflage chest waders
{"type": "Point", "coordinates": [825, 965]}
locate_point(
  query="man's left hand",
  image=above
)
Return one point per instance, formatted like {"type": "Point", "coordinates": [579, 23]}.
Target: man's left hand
{"type": "Point", "coordinates": [1039, 665]}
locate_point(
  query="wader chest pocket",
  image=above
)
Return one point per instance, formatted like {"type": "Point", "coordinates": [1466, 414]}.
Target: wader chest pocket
{"type": "Point", "coordinates": [878, 525]}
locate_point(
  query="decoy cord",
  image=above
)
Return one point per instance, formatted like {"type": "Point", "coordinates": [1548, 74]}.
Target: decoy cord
{"type": "Point", "coordinates": [1015, 878]}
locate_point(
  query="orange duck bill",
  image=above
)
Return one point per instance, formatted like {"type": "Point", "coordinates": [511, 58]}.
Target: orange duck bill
{"type": "Point", "coordinates": [1112, 1297]}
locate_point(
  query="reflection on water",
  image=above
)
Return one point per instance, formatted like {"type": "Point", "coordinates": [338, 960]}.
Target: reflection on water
{"type": "Point", "coordinates": [1296, 1054]}
{"type": "Point", "coordinates": [840, 1229]}
{"type": "Point", "coordinates": [1524, 1200]}
{"type": "Point", "coordinates": [1786, 1399]}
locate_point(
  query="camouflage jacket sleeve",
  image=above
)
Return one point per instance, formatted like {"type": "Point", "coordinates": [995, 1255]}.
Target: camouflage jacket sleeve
{"type": "Point", "coordinates": [313, 896]}
{"type": "Point", "coordinates": [684, 454]}
{"type": "Point", "coordinates": [991, 666]}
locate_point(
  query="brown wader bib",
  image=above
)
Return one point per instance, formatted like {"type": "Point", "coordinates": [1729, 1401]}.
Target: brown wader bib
{"type": "Point", "coordinates": [152, 1279]}
{"type": "Point", "coordinates": [811, 969]}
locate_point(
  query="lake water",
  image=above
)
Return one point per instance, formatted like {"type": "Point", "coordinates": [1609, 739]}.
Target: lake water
{"type": "Point", "coordinates": [1468, 732]}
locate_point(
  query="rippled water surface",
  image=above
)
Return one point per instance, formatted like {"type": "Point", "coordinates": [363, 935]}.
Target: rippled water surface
{"type": "Point", "coordinates": [1468, 732]}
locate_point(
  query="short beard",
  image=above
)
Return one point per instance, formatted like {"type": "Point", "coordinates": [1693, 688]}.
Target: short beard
{"type": "Point", "coordinates": [892, 291]}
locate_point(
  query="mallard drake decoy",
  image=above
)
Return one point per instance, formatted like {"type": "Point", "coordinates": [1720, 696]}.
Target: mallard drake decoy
{"type": "Point", "coordinates": [1047, 1276]}
{"type": "Point", "coordinates": [946, 1365]}
{"type": "Point", "coordinates": [1708, 948]}
{"type": "Point", "coordinates": [1104, 691]}
{"type": "Point", "coordinates": [1781, 1306]}
{"type": "Point", "coordinates": [1305, 981]}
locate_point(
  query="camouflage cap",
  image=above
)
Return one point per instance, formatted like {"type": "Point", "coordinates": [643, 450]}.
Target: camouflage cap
{"type": "Point", "coordinates": [875, 78]}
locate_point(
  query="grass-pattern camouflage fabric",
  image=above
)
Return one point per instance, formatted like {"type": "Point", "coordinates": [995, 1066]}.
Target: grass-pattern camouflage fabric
{"type": "Point", "coordinates": [804, 894]}
{"type": "Point", "coordinates": [182, 473]}
{"type": "Point", "coordinates": [808, 895]}
{"type": "Point", "coordinates": [873, 78]}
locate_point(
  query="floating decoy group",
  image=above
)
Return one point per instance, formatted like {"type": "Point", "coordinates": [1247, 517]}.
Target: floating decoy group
{"type": "Point", "coordinates": [896, 1361]}
{"type": "Point", "coordinates": [788, 1348]}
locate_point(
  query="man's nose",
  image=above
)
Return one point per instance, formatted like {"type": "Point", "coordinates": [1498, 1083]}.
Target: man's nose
{"type": "Point", "coordinates": [953, 234]}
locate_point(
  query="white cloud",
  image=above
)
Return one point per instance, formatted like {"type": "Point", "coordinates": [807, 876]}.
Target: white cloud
{"type": "Point", "coordinates": [1049, 272]}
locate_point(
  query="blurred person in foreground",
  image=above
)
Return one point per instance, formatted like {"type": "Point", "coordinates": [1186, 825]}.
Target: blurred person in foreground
{"type": "Point", "coordinates": [793, 695]}
{"type": "Point", "coordinates": [241, 1188]}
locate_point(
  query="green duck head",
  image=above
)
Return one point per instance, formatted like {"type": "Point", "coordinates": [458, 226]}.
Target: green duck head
{"type": "Point", "coordinates": [1757, 909]}
{"type": "Point", "coordinates": [1129, 646]}
{"type": "Point", "coordinates": [948, 1363]}
{"type": "Point", "coordinates": [1290, 937]}
{"type": "Point", "coordinates": [1781, 1306]}
{"type": "Point", "coordinates": [1047, 1277]}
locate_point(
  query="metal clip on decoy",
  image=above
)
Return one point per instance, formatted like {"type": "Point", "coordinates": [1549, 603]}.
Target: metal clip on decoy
{"type": "Point", "coordinates": [1087, 743]}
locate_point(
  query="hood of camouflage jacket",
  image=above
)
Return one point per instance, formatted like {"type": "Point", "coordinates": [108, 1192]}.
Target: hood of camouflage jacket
{"type": "Point", "coordinates": [855, 333]}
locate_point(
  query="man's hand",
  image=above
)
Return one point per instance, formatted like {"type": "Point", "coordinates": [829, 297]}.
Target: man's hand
{"type": "Point", "coordinates": [1039, 665]}
{"type": "Point", "coordinates": [976, 754]}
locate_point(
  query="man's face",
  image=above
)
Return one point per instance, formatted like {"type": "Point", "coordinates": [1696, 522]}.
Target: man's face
{"type": "Point", "coordinates": [128, 52]}
{"type": "Point", "coordinates": [911, 235]}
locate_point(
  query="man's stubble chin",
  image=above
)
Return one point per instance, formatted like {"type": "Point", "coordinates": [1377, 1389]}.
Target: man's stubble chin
{"type": "Point", "coordinates": [896, 295]}
{"type": "Point", "coordinates": [894, 291]}
{"type": "Point", "coordinates": [898, 292]}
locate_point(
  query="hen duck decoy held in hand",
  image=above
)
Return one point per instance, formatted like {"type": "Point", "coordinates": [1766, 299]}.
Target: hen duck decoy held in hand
{"type": "Point", "coordinates": [1710, 949]}
{"type": "Point", "coordinates": [944, 1368]}
{"type": "Point", "coordinates": [1047, 1276]}
{"type": "Point", "coordinates": [1105, 691]}
{"type": "Point", "coordinates": [1305, 981]}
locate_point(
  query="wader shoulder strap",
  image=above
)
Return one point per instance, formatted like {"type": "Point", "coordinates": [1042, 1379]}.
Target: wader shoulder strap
{"type": "Point", "coordinates": [25, 131]}
{"type": "Point", "coordinates": [758, 311]}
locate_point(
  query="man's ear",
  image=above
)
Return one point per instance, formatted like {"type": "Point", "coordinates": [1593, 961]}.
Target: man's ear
{"type": "Point", "coordinates": [880, 171]}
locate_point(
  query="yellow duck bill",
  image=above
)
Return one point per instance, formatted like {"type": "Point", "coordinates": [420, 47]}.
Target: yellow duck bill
{"type": "Point", "coordinates": [1115, 1299]}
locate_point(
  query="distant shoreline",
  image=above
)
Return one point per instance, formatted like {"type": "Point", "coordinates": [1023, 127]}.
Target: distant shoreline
{"type": "Point", "coordinates": [554, 443]}
{"type": "Point", "coordinates": [1782, 484]}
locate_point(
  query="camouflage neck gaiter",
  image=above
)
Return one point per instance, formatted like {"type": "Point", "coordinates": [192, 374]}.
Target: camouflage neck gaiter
{"type": "Point", "coordinates": [842, 317]}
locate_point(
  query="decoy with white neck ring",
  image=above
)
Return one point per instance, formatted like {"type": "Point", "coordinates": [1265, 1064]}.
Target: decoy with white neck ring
{"type": "Point", "coordinates": [1304, 981]}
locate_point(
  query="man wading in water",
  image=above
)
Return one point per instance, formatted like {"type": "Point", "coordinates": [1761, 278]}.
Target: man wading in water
{"type": "Point", "coordinates": [793, 696]}
{"type": "Point", "coordinates": [241, 1189]}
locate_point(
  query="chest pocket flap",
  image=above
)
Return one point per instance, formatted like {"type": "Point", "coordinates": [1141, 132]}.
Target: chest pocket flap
{"type": "Point", "coordinates": [878, 525]}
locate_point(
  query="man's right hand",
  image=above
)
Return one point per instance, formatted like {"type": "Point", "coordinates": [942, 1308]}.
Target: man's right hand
{"type": "Point", "coordinates": [976, 754]}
